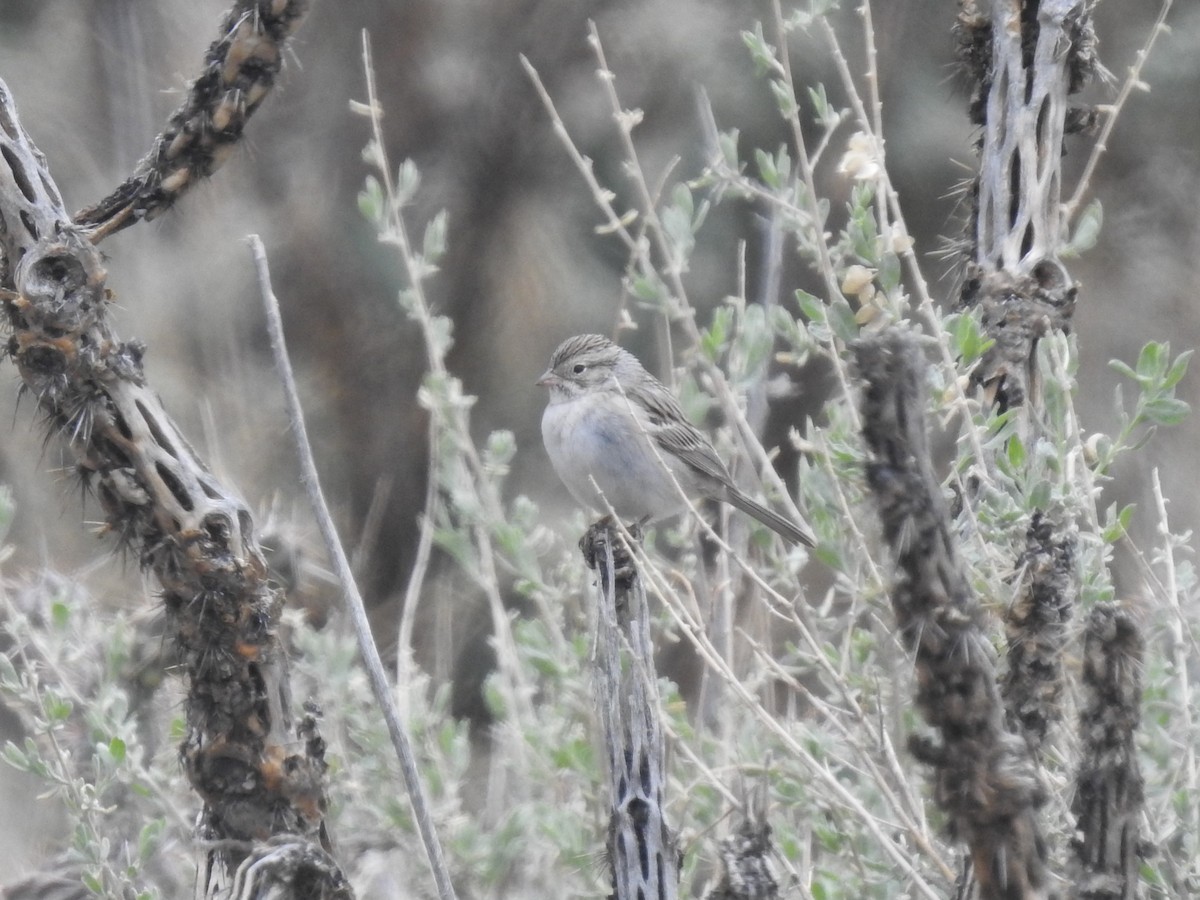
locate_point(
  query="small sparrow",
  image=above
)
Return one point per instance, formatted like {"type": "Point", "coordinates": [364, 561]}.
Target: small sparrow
{"type": "Point", "coordinates": [611, 421]}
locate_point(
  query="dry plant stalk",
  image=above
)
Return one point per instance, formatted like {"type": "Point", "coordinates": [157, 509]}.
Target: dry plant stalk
{"type": "Point", "coordinates": [984, 776]}
{"type": "Point", "coordinates": [642, 852]}
{"type": "Point", "coordinates": [259, 778]}
{"type": "Point", "coordinates": [1109, 786]}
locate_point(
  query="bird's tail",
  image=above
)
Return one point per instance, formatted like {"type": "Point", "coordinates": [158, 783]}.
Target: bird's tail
{"type": "Point", "coordinates": [785, 528]}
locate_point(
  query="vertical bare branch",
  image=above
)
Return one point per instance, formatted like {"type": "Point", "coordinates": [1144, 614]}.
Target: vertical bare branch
{"type": "Point", "coordinates": [984, 776]}
{"type": "Point", "coordinates": [642, 851]}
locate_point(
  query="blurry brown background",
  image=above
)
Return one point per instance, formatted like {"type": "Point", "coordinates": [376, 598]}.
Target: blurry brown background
{"type": "Point", "coordinates": [94, 79]}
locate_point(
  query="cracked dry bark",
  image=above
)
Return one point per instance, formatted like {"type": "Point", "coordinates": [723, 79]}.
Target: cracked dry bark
{"type": "Point", "coordinates": [642, 853]}
{"type": "Point", "coordinates": [259, 773]}
{"type": "Point", "coordinates": [984, 775]}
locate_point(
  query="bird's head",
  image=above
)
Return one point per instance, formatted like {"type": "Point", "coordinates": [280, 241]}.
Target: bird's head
{"type": "Point", "coordinates": [585, 363]}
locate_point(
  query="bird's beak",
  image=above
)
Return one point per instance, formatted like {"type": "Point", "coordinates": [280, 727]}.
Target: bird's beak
{"type": "Point", "coordinates": [548, 378]}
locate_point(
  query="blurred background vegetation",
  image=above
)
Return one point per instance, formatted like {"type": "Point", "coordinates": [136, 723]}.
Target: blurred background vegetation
{"type": "Point", "coordinates": [94, 80]}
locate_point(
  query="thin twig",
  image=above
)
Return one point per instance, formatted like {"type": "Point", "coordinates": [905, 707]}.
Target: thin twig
{"type": "Point", "coordinates": [353, 602]}
{"type": "Point", "coordinates": [1133, 80]}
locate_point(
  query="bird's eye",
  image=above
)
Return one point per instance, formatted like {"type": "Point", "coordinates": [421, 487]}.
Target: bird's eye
{"type": "Point", "coordinates": [579, 367]}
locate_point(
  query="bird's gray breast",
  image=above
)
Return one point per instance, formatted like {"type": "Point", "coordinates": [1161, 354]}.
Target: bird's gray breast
{"type": "Point", "coordinates": [597, 438]}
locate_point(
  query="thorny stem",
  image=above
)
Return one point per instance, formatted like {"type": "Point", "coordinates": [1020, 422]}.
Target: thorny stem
{"type": "Point", "coordinates": [828, 713]}
{"type": "Point", "coordinates": [416, 578]}
{"type": "Point", "coordinates": [683, 748]}
{"type": "Point", "coordinates": [872, 77]}
{"type": "Point", "coordinates": [355, 609]}
{"type": "Point", "coordinates": [1132, 81]}
{"type": "Point", "coordinates": [916, 278]}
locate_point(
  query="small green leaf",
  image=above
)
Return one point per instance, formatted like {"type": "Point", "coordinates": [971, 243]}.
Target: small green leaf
{"type": "Point", "coordinates": [1120, 366]}
{"type": "Point", "coordinates": [646, 289]}
{"type": "Point", "coordinates": [15, 757]}
{"type": "Point", "coordinates": [116, 749]}
{"type": "Point", "coordinates": [681, 196]}
{"type": "Point", "coordinates": [1166, 410]}
{"type": "Point", "coordinates": [713, 340]}
{"type": "Point", "coordinates": [811, 306]}
{"type": "Point", "coordinates": [785, 100]}
{"type": "Point", "coordinates": [1117, 526]}
{"type": "Point", "coordinates": [761, 52]}
{"type": "Point", "coordinates": [58, 709]}
{"type": "Point", "coordinates": [889, 271]}
{"type": "Point", "coordinates": [1016, 452]}
{"type": "Point", "coordinates": [1087, 230]}
{"type": "Point", "coordinates": [149, 838]}
{"type": "Point", "coordinates": [434, 243]}
{"type": "Point", "coordinates": [1177, 370]}
{"type": "Point", "coordinates": [841, 318]}
{"type": "Point", "coordinates": [501, 448]}
{"type": "Point", "coordinates": [408, 179]}
{"type": "Point", "coordinates": [370, 200]}
{"type": "Point", "coordinates": [727, 141]}
{"type": "Point", "coordinates": [825, 115]}
{"type": "Point", "coordinates": [766, 169]}
{"type": "Point", "coordinates": [60, 614]}
{"type": "Point", "coordinates": [1152, 364]}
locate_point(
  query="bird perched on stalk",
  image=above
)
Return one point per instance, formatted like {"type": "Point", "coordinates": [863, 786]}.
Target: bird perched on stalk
{"type": "Point", "coordinates": [612, 422]}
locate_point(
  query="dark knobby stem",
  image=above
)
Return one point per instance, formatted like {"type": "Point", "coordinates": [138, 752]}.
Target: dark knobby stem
{"type": "Point", "coordinates": [744, 856]}
{"type": "Point", "coordinates": [1108, 788]}
{"type": "Point", "coordinates": [1036, 629]}
{"type": "Point", "coordinates": [985, 779]}
{"type": "Point", "coordinates": [240, 69]}
{"type": "Point", "coordinates": [642, 852]}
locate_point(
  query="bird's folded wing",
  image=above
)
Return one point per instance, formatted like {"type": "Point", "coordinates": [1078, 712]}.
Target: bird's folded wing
{"type": "Point", "coordinates": [664, 421]}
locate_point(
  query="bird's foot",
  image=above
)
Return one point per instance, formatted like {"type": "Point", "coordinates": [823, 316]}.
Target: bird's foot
{"type": "Point", "coordinates": [603, 534]}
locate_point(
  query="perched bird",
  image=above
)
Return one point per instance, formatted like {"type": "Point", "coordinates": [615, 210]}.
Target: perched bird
{"type": "Point", "coordinates": [610, 420]}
